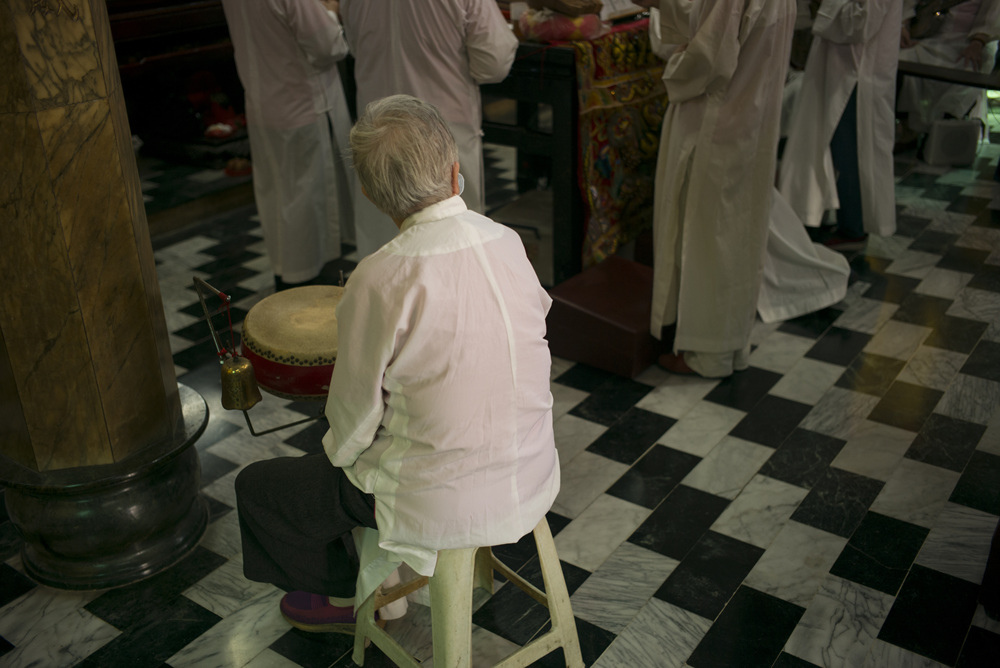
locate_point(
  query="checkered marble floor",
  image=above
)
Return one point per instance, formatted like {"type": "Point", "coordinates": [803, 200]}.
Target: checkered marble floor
{"type": "Point", "coordinates": [830, 506]}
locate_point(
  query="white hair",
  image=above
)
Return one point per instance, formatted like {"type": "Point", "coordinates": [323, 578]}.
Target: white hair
{"type": "Point", "coordinates": [403, 153]}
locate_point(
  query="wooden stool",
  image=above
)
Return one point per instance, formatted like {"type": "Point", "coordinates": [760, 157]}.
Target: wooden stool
{"type": "Point", "coordinates": [457, 573]}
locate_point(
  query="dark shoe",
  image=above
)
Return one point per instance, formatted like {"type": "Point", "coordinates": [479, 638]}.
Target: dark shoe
{"type": "Point", "coordinates": [676, 364]}
{"type": "Point", "coordinates": [312, 612]}
{"type": "Point", "coordinates": [840, 242]}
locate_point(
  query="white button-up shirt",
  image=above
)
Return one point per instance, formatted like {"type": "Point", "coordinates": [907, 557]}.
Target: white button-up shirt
{"type": "Point", "coordinates": [439, 403]}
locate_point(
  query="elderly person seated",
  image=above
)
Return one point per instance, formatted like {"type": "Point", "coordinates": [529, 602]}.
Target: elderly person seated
{"type": "Point", "coordinates": [440, 416]}
{"type": "Point", "coordinates": [966, 39]}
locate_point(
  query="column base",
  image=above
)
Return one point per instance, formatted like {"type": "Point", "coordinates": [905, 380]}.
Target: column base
{"type": "Point", "coordinates": [107, 526]}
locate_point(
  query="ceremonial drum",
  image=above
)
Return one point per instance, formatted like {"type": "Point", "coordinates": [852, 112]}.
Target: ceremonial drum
{"type": "Point", "coordinates": [290, 337]}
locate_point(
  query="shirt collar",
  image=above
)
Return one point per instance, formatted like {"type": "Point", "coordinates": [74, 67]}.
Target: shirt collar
{"type": "Point", "coordinates": [446, 208]}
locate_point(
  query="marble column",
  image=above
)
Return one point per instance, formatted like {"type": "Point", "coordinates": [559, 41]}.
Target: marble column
{"type": "Point", "coordinates": [96, 435]}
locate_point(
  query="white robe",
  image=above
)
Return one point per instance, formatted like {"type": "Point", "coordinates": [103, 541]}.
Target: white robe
{"type": "Point", "coordinates": [286, 55]}
{"type": "Point", "coordinates": [440, 52]}
{"type": "Point", "coordinates": [926, 100]}
{"type": "Point", "coordinates": [856, 44]}
{"type": "Point", "coordinates": [715, 169]}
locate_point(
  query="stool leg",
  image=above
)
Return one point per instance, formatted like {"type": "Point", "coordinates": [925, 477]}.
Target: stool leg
{"type": "Point", "coordinates": [451, 608]}
{"type": "Point", "coordinates": [484, 569]}
{"type": "Point", "coordinates": [365, 618]}
{"type": "Point", "coordinates": [560, 610]}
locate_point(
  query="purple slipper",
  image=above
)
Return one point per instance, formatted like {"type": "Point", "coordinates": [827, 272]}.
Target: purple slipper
{"type": "Point", "coordinates": [313, 612]}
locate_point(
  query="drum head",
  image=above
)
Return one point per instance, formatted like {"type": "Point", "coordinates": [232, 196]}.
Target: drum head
{"type": "Point", "coordinates": [290, 337]}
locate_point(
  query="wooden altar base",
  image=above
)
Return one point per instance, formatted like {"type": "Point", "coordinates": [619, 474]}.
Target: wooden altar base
{"type": "Point", "coordinates": [601, 317]}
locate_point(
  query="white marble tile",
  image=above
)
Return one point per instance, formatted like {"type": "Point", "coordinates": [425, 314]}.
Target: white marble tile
{"type": "Point", "coordinates": [613, 595]}
{"type": "Point", "coordinates": [906, 194]}
{"type": "Point", "coordinates": [50, 627]}
{"type": "Point", "coordinates": [728, 467]}
{"type": "Point", "coordinates": [564, 399]}
{"type": "Point", "coordinates": [573, 435]}
{"type": "Point", "coordinates": [970, 398]}
{"type": "Point", "coordinates": [677, 395]}
{"type": "Point", "coordinates": [661, 635]}
{"type": "Point", "coordinates": [598, 531]}
{"type": "Point", "coordinates": [223, 537]}
{"type": "Point", "coordinates": [795, 563]}
{"type": "Point", "coordinates": [840, 624]}
{"type": "Point", "coordinates": [959, 542]}
{"type": "Point", "coordinates": [950, 222]}
{"type": "Point", "coordinates": [780, 352]}
{"type": "Point", "coordinates": [886, 247]}
{"type": "Point", "coordinates": [898, 340]}
{"type": "Point", "coordinates": [583, 480]}
{"type": "Point", "coordinates": [807, 381]}
{"type": "Point", "coordinates": [975, 304]}
{"type": "Point", "coordinates": [932, 367]}
{"type": "Point", "coordinates": [242, 447]}
{"type": "Point", "coordinates": [943, 283]}
{"type": "Point", "coordinates": [866, 315]}
{"type": "Point", "coordinates": [839, 412]}
{"type": "Point", "coordinates": [702, 428]}
{"type": "Point", "coordinates": [874, 450]}
{"type": "Point", "coordinates": [916, 492]}
{"type": "Point", "coordinates": [925, 208]}
{"type": "Point", "coordinates": [223, 489]}
{"type": "Point", "coordinates": [886, 655]}
{"type": "Point", "coordinates": [761, 331]}
{"type": "Point", "coordinates": [560, 366]}
{"type": "Point", "coordinates": [760, 511]}
{"type": "Point", "coordinates": [914, 264]}
{"type": "Point", "coordinates": [238, 638]}
{"type": "Point", "coordinates": [653, 375]}
{"type": "Point", "coordinates": [980, 238]}
{"type": "Point", "coordinates": [225, 590]}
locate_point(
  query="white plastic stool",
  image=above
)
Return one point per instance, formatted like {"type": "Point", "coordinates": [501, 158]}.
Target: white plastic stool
{"type": "Point", "coordinates": [456, 574]}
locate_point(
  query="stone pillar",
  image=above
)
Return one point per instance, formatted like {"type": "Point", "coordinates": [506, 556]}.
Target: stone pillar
{"type": "Point", "coordinates": [95, 432]}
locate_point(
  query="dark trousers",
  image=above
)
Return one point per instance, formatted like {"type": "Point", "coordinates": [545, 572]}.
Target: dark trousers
{"type": "Point", "coordinates": [844, 150]}
{"type": "Point", "coordinates": [296, 515]}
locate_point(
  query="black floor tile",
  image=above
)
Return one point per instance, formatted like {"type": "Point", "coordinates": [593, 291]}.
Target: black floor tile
{"type": "Point", "coordinates": [869, 268]}
{"type": "Point", "coordinates": [979, 485]}
{"type": "Point", "coordinates": [320, 650]}
{"type": "Point", "coordinates": [710, 574]}
{"type": "Point", "coordinates": [221, 264]}
{"type": "Point", "coordinates": [984, 361]}
{"type": "Point", "coordinates": [10, 541]}
{"type": "Point", "coordinates": [906, 406]}
{"type": "Point", "coordinates": [839, 346]}
{"type": "Point", "coordinates": [654, 476]}
{"type": "Point", "coordinates": [967, 204]}
{"type": "Point", "coordinates": [988, 218]}
{"type": "Point", "coordinates": [933, 241]}
{"type": "Point", "coordinates": [771, 421]}
{"type": "Point", "coordinates": [593, 641]}
{"type": "Point", "coordinates": [751, 631]}
{"type": "Point", "coordinates": [921, 309]}
{"type": "Point", "coordinates": [587, 378]}
{"type": "Point", "coordinates": [309, 439]}
{"type": "Point", "coordinates": [679, 522]}
{"type": "Point", "coordinates": [200, 333]}
{"type": "Point", "coordinates": [216, 508]}
{"type": "Point", "coordinates": [958, 258]}
{"type": "Point", "coordinates": [981, 648]}
{"type": "Point", "coordinates": [918, 180]}
{"type": "Point", "coordinates": [987, 277]}
{"type": "Point", "coordinates": [803, 458]}
{"type": "Point", "coordinates": [870, 374]}
{"type": "Point", "coordinates": [213, 467]}
{"type": "Point", "coordinates": [911, 226]}
{"type": "Point", "coordinates": [838, 502]}
{"type": "Point", "coordinates": [5, 646]}
{"type": "Point", "coordinates": [892, 288]}
{"type": "Point", "coordinates": [880, 553]}
{"type": "Point", "coordinates": [13, 585]}
{"type": "Point", "coordinates": [943, 192]}
{"type": "Point", "coordinates": [196, 356]}
{"type": "Point", "coordinates": [630, 437]}
{"type": "Point", "coordinates": [216, 430]}
{"type": "Point", "coordinates": [790, 661]}
{"type": "Point", "coordinates": [744, 389]}
{"type": "Point", "coordinates": [946, 442]}
{"type": "Point", "coordinates": [931, 615]}
{"type": "Point", "coordinates": [611, 401]}
{"type": "Point", "coordinates": [959, 335]}
{"type": "Point", "coordinates": [811, 325]}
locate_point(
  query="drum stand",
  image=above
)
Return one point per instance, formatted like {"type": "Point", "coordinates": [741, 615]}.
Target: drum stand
{"type": "Point", "coordinates": [239, 383]}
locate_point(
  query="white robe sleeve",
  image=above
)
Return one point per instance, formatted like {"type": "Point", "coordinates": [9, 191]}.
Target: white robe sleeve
{"type": "Point", "coordinates": [987, 19]}
{"type": "Point", "coordinates": [317, 31]}
{"type": "Point", "coordinates": [355, 407]}
{"type": "Point", "coordinates": [489, 42]}
{"type": "Point", "coordinates": [850, 21]}
{"type": "Point", "coordinates": [708, 57]}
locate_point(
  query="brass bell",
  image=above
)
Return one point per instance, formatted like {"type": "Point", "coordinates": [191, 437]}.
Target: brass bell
{"type": "Point", "coordinates": [239, 385]}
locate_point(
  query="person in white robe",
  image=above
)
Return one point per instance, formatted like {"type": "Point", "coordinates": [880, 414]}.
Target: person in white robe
{"type": "Point", "coordinates": [439, 51]}
{"type": "Point", "coordinates": [440, 410]}
{"type": "Point", "coordinates": [846, 102]}
{"type": "Point", "coordinates": [286, 55]}
{"type": "Point", "coordinates": [967, 40]}
{"type": "Point", "coordinates": [715, 173]}
{"type": "Point", "coordinates": [799, 276]}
